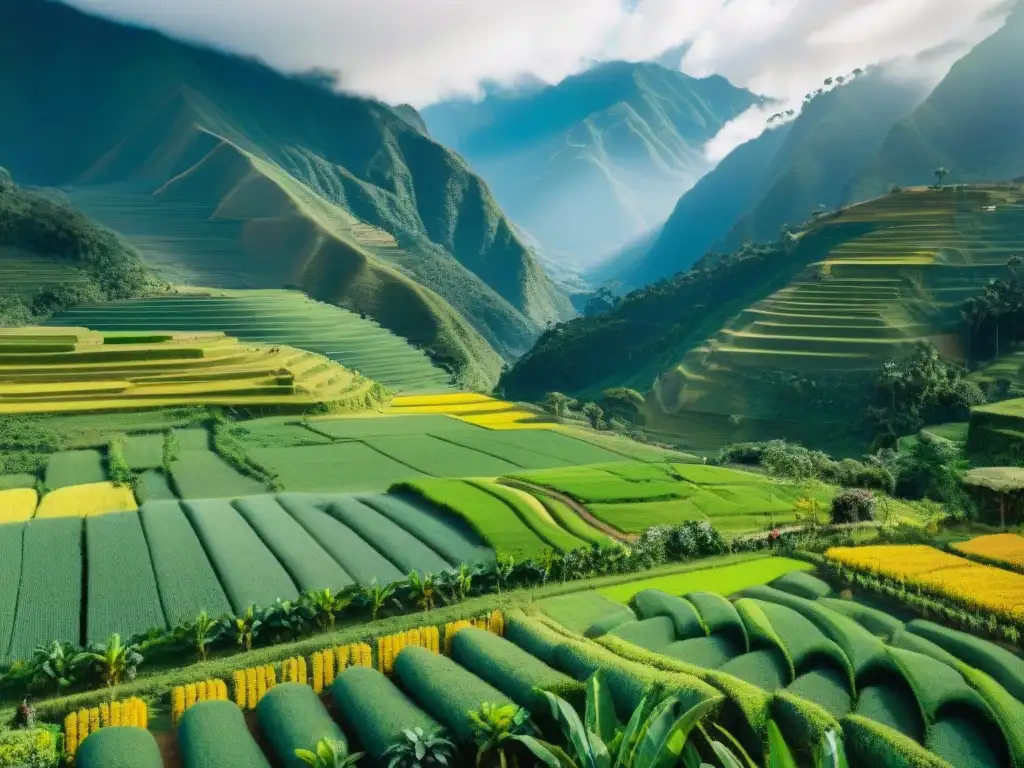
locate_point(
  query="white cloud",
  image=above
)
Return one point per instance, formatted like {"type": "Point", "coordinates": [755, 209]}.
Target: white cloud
{"type": "Point", "coordinates": [422, 51]}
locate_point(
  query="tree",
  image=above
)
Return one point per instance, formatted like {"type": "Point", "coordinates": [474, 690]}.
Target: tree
{"type": "Point", "coordinates": [245, 627]}
{"type": "Point", "coordinates": [1005, 481]}
{"type": "Point", "coordinates": [204, 631]}
{"type": "Point", "coordinates": [940, 174]}
{"type": "Point", "coordinates": [624, 403]}
{"type": "Point", "coordinates": [113, 661]}
{"type": "Point", "coordinates": [329, 753]}
{"type": "Point", "coordinates": [593, 413]}
{"type": "Point", "coordinates": [326, 605]}
{"type": "Point", "coordinates": [423, 589]}
{"type": "Point", "coordinates": [503, 570]}
{"type": "Point", "coordinates": [557, 403]}
{"type": "Point", "coordinates": [420, 750]}
{"type": "Point", "coordinates": [54, 665]}
{"type": "Point", "coordinates": [377, 597]}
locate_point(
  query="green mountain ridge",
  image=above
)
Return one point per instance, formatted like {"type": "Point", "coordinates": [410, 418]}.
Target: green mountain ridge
{"type": "Point", "coordinates": [231, 171]}
{"type": "Point", "coordinates": [945, 130]}
{"type": "Point", "coordinates": [592, 163]}
{"type": "Point", "coordinates": [779, 178]}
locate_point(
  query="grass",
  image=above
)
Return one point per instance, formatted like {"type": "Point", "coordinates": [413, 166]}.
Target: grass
{"type": "Point", "coordinates": [11, 545]}
{"type": "Point", "coordinates": [534, 515]}
{"type": "Point", "coordinates": [579, 611]}
{"type": "Point", "coordinates": [492, 519]}
{"type": "Point", "coordinates": [572, 522]}
{"type": "Point", "coordinates": [67, 468]}
{"type": "Point", "coordinates": [725, 580]}
{"type": "Point", "coordinates": [202, 474]}
{"type": "Point", "coordinates": [431, 456]}
{"type": "Point", "coordinates": [341, 468]}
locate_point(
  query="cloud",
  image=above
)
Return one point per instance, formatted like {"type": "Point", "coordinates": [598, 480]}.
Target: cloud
{"type": "Point", "coordinates": [422, 51]}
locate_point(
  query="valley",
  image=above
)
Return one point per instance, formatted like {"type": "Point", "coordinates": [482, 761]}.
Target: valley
{"type": "Point", "coordinates": [306, 459]}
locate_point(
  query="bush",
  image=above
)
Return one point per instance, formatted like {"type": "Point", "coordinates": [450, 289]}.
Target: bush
{"type": "Point", "coordinates": [213, 734]}
{"type": "Point", "coordinates": [794, 462]}
{"type": "Point", "coordinates": [31, 748]}
{"type": "Point", "coordinates": [854, 505]}
{"type": "Point", "coordinates": [119, 747]}
{"type": "Point", "coordinates": [292, 717]}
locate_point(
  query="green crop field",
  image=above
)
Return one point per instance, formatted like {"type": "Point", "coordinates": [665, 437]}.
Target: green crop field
{"type": "Point", "coordinates": [348, 466]}
{"type": "Point", "coordinates": [11, 543]}
{"type": "Point", "coordinates": [50, 596]}
{"type": "Point", "coordinates": [202, 474]}
{"type": "Point", "coordinates": [495, 522]}
{"type": "Point", "coordinates": [728, 579]}
{"type": "Point", "coordinates": [275, 317]}
{"type": "Point", "coordinates": [69, 468]}
{"type": "Point", "coordinates": [187, 581]}
{"type": "Point", "coordinates": [122, 592]}
{"type": "Point", "coordinates": [432, 456]}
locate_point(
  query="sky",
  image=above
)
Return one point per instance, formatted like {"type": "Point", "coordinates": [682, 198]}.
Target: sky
{"type": "Point", "coordinates": [424, 51]}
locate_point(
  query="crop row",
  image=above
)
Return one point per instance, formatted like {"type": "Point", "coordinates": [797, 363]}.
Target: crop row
{"type": "Point", "coordinates": [80, 724]}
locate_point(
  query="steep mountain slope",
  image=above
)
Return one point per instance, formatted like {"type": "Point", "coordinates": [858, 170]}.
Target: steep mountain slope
{"type": "Point", "coordinates": [947, 129]}
{"type": "Point", "coordinates": [224, 170]}
{"type": "Point", "coordinates": [756, 343]}
{"type": "Point", "coordinates": [780, 177]}
{"type": "Point", "coordinates": [596, 161]}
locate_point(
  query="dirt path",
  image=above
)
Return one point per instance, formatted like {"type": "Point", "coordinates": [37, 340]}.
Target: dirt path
{"type": "Point", "coordinates": [575, 506]}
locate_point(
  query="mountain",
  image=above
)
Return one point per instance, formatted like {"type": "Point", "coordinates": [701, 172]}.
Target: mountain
{"type": "Point", "coordinates": [593, 163]}
{"type": "Point", "coordinates": [224, 172]}
{"type": "Point", "coordinates": [781, 177]}
{"type": "Point", "coordinates": [972, 123]}
{"type": "Point", "coordinates": [781, 339]}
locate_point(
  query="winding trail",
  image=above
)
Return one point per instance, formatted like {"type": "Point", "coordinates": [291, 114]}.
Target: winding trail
{"type": "Point", "coordinates": [575, 506]}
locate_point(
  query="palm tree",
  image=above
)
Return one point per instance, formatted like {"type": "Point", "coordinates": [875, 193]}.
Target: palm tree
{"type": "Point", "coordinates": [423, 589]}
{"type": "Point", "coordinates": [503, 570]}
{"type": "Point", "coordinates": [326, 605]}
{"type": "Point", "coordinates": [420, 750]}
{"type": "Point", "coordinates": [503, 733]}
{"type": "Point", "coordinates": [329, 754]}
{"type": "Point", "coordinates": [113, 661]}
{"type": "Point", "coordinates": [204, 631]}
{"type": "Point", "coordinates": [245, 627]}
{"type": "Point", "coordinates": [53, 666]}
{"type": "Point", "coordinates": [463, 582]}
{"type": "Point", "coordinates": [376, 597]}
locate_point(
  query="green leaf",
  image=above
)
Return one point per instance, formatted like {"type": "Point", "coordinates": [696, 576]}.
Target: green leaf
{"type": "Point", "coordinates": [632, 729]}
{"type": "Point", "coordinates": [691, 757]}
{"type": "Point", "coordinates": [548, 754]}
{"type": "Point", "coordinates": [666, 733]}
{"type": "Point", "coordinates": [725, 755]}
{"type": "Point", "coordinates": [831, 752]}
{"type": "Point", "coordinates": [779, 754]}
{"type": "Point", "coordinates": [600, 714]}
{"type": "Point", "coordinates": [572, 727]}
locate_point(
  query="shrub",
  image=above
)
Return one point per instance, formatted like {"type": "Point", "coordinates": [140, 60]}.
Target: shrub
{"type": "Point", "coordinates": [213, 734]}
{"type": "Point", "coordinates": [375, 710]}
{"type": "Point", "coordinates": [292, 717]}
{"type": "Point", "coordinates": [854, 505]}
{"type": "Point", "coordinates": [32, 748]}
{"type": "Point", "coordinates": [120, 747]}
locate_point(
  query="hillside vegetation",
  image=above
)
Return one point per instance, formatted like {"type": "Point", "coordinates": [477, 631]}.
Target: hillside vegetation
{"type": "Point", "coordinates": [591, 163]}
{"type": "Point", "coordinates": [742, 338]}
{"type": "Point", "coordinates": [779, 178]}
{"type": "Point", "coordinates": [225, 172]}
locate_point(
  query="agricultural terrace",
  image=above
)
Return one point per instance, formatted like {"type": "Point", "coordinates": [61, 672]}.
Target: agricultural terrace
{"type": "Point", "coordinates": [786, 656]}
{"type": "Point", "coordinates": [997, 431]}
{"type": "Point", "coordinates": [55, 370]}
{"type": "Point", "coordinates": [1005, 550]}
{"type": "Point", "coordinates": [275, 317]}
{"type": "Point", "coordinates": [873, 295]}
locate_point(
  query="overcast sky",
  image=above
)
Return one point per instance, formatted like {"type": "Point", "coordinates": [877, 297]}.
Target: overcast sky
{"type": "Point", "coordinates": [422, 51]}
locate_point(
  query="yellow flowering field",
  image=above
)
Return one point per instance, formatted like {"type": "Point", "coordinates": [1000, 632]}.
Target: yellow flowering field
{"type": "Point", "coordinates": [86, 500]}
{"type": "Point", "coordinates": [972, 584]}
{"type": "Point", "coordinates": [1004, 548]}
{"type": "Point", "coordinates": [18, 505]}
{"type": "Point", "coordinates": [481, 410]}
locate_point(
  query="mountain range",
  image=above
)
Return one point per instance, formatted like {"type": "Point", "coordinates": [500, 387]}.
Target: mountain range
{"type": "Point", "coordinates": [226, 173]}
{"type": "Point", "coordinates": [592, 163]}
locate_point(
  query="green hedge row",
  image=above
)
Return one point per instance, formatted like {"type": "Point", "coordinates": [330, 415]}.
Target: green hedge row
{"type": "Point", "coordinates": [870, 743]}
{"type": "Point", "coordinates": [292, 717]}
{"type": "Point", "coordinates": [653, 634]}
{"type": "Point", "coordinates": [213, 734]}
{"type": "Point", "coordinates": [375, 711]}
{"type": "Point", "coordinates": [513, 671]}
{"type": "Point", "coordinates": [653, 602]}
{"type": "Point", "coordinates": [444, 689]}
{"type": "Point", "coordinates": [120, 747]}
{"type": "Point", "coordinates": [719, 615]}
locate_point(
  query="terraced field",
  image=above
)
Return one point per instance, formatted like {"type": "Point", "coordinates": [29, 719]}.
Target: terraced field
{"type": "Point", "coordinates": [60, 369]}
{"type": "Point", "coordinates": [787, 653]}
{"type": "Point", "coordinates": [171, 560]}
{"type": "Point", "coordinates": [933, 685]}
{"type": "Point", "coordinates": [874, 297]}
{"type": "Point", "coordinates": [275, 317]}
{"type": "Point", "coordinates": [23, 273]}
{"type": "Point", "coordinates": [996, 432]}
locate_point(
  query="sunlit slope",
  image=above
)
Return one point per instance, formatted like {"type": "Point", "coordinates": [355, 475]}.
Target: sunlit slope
{"type": "Point", "coordinates": [251, 176]}
{"type": "Point", "coordinates": [275, 317]}
{"type": "Point", "coordinates": [66, 370]}
{"type": "Point", "coordinates": [874, 297]}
